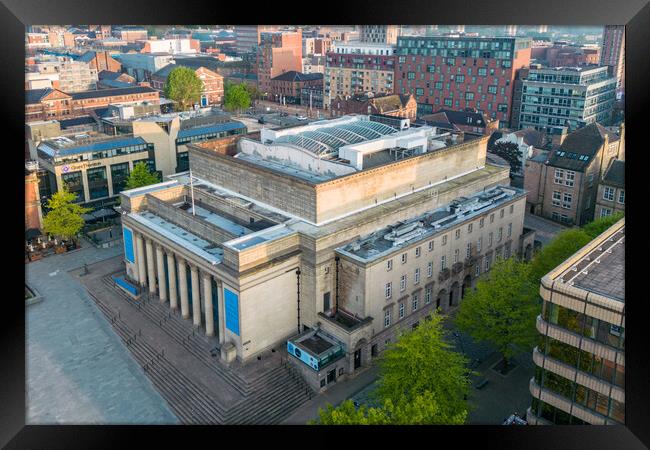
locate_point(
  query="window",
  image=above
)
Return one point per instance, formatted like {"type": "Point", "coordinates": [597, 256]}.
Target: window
{"type": "Point", "coordinates": [416, 278]}
{"type": "Point", "coordinates": [468, 252]}
{"type": "Point", "coordinates": [512, 209]}
{"type": "Point", "coordinates": [509, 229]}
{"type": "Point", "coordinates": [501, 213]}
{"type": "Point", "coordinates": [570, 177]}
{"type": "Point", "coordinates": [401, 310]}
{"type": "Point", "coordinates": [458, 233]}
{"type": "Point", "coordinates": [608, 193]}
{"type": "Point", "coordinates": [469, 228]}
{"type": "Point", "coordinates": [444, 240]}
{"type": "Point", "coordinates": [481, 222]}
{"type": "Point", "coordinates": [490, 239]}
{"type": "Point", "coordinates": [402, 283]}
{"type": "Point", "coordinates": [389, 265]}
{"type": "Point", "coordinates": [414, 303]}
{"type": "Point", "coordinates": [478, 270]}
{"type": "Point", "coordinates": [492, 218]}
{"type": "Point", "coordinates": [443, 262]}
{"type": "Point", "coordinates": [604, 212]}
{"type": "Point", "coordinates": [621, 196]}
{"type": "Point", "coordinates": [557, 196]}
{"type": "Point", "coordinates": [559, 176]}
{"type": "Point", "coordinates": [387, 318]}
{"type": "Point", "coordinates": [500, 234]}
{"type": "Point", "coordinates": [427, 296]}
{"type": "Point", "coordinates": [456, 255]}
{"type": "Point", "coordinates": [479, 244]}
{"type": "Point", "coordinates": [567, 200]}
{"type": "Point", "coordinates": [487, 264]}
{"type": "Point", "coordinates": [430, 269]}
{"type": "Point", "coordinates": [417, 252]}
{"type": "Point", "coordinates": [430, 245]}
{"type": "Point", "coordinates": [389, 290]}
{"type": "Point", "coordinates": [403, 258]}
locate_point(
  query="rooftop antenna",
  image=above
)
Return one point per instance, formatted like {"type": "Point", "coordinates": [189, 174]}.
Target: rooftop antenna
{"type": "Point", "coordinates": [192, 192]}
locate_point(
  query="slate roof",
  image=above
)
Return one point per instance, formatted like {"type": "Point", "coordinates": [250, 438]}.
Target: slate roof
{"type": "Point", "coordinates": [532, 137]}
{"type": "Point", "coordinates": [471, 118]}
{"type": "Point", "coordinates": [293, 75]}
{"type": "Point", "coordinates": [87, 57]}
{"type": "Point", "coordinates": [615, 174]}
{"type": "Point", "coordinates": [108, 75]}
{"type": "Point", "coordinates": [33, 96]}
{"type": "Point", "coordinates": [579, 148]}
{"type": "Point", "coordinates": [111, 92]}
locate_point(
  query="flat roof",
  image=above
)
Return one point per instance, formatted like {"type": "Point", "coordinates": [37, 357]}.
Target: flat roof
{"type": "Point", "coordinates": [602, 270]}
{"type": "Point", "coordinates": [217, 220]}
{"type": "Point", "coordinates": [64, 146]}
{"type": "Point", "coordinates": [285, 168]}
{"type": "Point", "coordinates": [401, 234]}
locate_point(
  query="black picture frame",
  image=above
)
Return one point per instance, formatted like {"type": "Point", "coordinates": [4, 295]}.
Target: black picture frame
{"type": "Point", "coordinates": [635, 14]}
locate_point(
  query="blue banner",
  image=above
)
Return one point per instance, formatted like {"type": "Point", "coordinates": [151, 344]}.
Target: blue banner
{"type": "Point", "coordinates": [232, 310]}
{"type": "Point", "coordinates": [128, 244]}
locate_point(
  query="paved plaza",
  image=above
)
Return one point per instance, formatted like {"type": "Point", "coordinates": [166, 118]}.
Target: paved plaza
{"type": "Point", "coordinates": [545, 229]}
{"type": "Point", "coordinates": [78, 370]}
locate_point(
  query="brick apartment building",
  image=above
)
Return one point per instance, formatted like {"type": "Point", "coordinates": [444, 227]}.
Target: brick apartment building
{"type": "Point", "coordinates": [359, 68]}
{"type": "Point", "coordinates": [278, 52]}
{"type": "Point", "coordinates": [461, 72]}
{"type": "Point", "coordinates": [472, 122]}
{"type": "Point", "coordinates": [289, 85]}
{"type": "Point", "coordinates": [562, 54]}
{"type": "Point", "coordinates": [562, 184]}
{"type": "Point", "coordinates": [53, 104]}
{"type": "Point", "coordinates": [212, 91]}
{"type": "Point", "coordinates": [395, 105]}
{"type": "Point", "coordinates": [101, 61]}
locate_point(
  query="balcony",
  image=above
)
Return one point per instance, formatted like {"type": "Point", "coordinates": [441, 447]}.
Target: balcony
{"type": "Point", "coordinates": [444, 275]}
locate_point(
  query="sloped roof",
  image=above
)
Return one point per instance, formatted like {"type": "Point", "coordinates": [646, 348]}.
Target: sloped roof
{"type": "Point", "coordinates": [615, 174]}
{"type": "Point", "coordinates": [532, 137]}
{"type": "Point", "coordinates": [33, 96]}
{"type": "Point", "coordinates": [111, 92]}
{"type": "Point", "coordinates": [579, 148]}
{"type": "Point", "coordinates": [458, 117]}
{"type": "Point", "coordinates": [293, 75]}
{"type": "Point", "coordinates": [87, 56]}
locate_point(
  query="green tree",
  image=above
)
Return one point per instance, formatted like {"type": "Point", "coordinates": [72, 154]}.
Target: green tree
{"type": "Point", "coordinates": [64, 216]}
{"type": "Point", "coordinates": [598, 226]}
{"type": "Point", "coordinates": [184, 87]}
{"type": "Point", "coordinates": [236, 97]}
{"type": "Point", "coordinates": [141, 176]}
{"type": "Point", "coordinates": [511, 153]}
{"type": "Point", "coordinates": [502, 309]}
{"type": "Point", "coordinates": [421, 381]}
{"type": "Point", "coordinates": [554, 253]}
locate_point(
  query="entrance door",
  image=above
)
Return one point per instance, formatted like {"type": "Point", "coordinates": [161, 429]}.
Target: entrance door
{"type": "Point", "coordinates": [357, 359]}
{"type": "Point", "coordinates": [204, 100]}
{"type": "Point", "coordinates": [331, 376]}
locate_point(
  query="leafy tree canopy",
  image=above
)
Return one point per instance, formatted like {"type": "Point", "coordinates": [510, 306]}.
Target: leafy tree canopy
{"type": "Point", "coordinates": [421, 381]}
{"type": "Point", "coordinates": [598, 226]}
{"type": "Point", "coordinates": [510, 152]}
{"type": "Point", "coordinates": [502, 309]}
{"type": "Point", "coordinates": [236, 97]}
{"type": "Point", "coordinates": [64, 218]}
{"type": "Point", "coordinates": [141, 176]}
{"type": "Point", "coordinates": [184, 87]}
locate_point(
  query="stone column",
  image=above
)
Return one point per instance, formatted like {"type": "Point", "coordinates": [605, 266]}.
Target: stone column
{"type": "Point", "coordinates": [207, 298]}
{"type": "Point", "coordinates": [196, 296]}
{"type": "Point", "coordinates": [171, 268]}
{"type": "Point", "coordinates": [142, 272]}
{"type": "Point", "coordinates": [222, 314]}
{"type": "Point", "coordinates": [162, 282]}
{"type": "Point", "coordinates": [182, 285]}
{"type": "Point", "coordinates": [151, 268]}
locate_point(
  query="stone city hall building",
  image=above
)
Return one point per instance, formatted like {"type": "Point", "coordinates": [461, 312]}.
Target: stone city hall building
{"type": "Point", "coordinates": [327, 238]}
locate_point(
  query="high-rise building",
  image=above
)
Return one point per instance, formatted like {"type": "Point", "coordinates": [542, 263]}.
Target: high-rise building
{"type": "Point", "coordinates": [357, 68]}
{"type": "Point", "coordinates": [560, 99]}
{"type": "Point", "coordinates": [580, 358]}
{"type": "Point", "coordinates": [75, 76]}
{"type": "Point", "coordinates": [511, 30]}
{"type": "Point", "coordinates": [613, 52]}
{"type": "Point", "coordinates": [461, 72]}
{"type": "Point", "coordinates": [247, 37]}
{"type": "Point", "coordinates": [542, 29]}
{"type": "Point", "coordinates": [278, 52]}
{"type": "Point", "coordinates": [379, 34]}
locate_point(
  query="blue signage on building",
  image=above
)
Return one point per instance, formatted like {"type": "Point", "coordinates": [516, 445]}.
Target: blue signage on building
{"type": "Point", "coordinates": [232, 310]}
{"type": "Point", "coordinates": [128, 244]}
{"type": "Point", "coordinates": [302, 355]}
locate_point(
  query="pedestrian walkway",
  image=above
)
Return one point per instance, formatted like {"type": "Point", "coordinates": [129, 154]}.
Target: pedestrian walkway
{"type": "Point", "coordinates": [334, 396]}
{"type": "Point", "coordinates": [78, 370]}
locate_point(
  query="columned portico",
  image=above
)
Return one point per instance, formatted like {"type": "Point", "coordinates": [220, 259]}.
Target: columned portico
{"type": "Point", "coordinates": [196, 296]}
{"type": "Point", "coordinates": [182, 286]}
{"type": "Point", "coordinates": [142, 273]}
{"type": "Point", "coordinates": [151, 268]}
{"type": "Point", "coordinates": [162, 282]}
{"type": "Point", "coordinates": [222, 313]}
{"type": "Point", "coordinates": [207, 298]}
{"type": "Point", "coordinates": [171, 268]}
